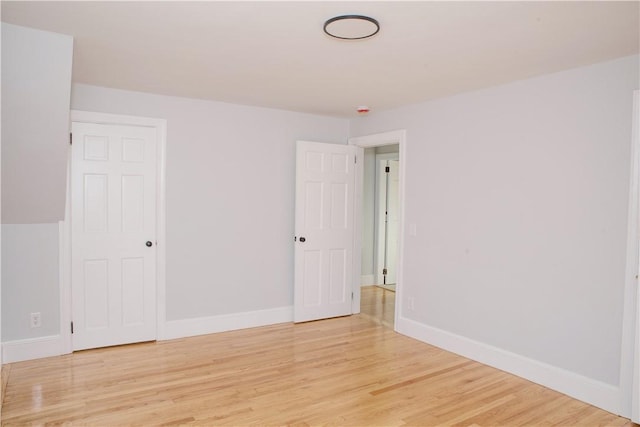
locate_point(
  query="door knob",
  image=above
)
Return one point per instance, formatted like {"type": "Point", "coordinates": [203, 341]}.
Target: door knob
{"type": "Point", "coordinates": [149, 244]}
{"type": "Point", "coordinates": [302, 239]}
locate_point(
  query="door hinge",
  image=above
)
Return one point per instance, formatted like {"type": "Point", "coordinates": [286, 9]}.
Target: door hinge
{"type": "Point", "coordinates": [70, 139]}
{"type": "Point", "coordinates": [384, 271]}
{"type": "Point", "coordinates": [355, 159]}
{"type": "Point", "coordinates": [351, 296]}
{"type": "Point", "coordinates": [386, 169]}
{"type": "Point", "coordinates": [71, 327]}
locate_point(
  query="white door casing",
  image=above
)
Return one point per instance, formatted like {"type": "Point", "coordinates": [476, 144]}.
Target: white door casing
{"type": "Point", "coordinates": [375, 140]}
{"type": "Point", "coordinates": [630, 349]}
{"type": "Point", "coordinates": [324, 230]}
{"type": "Point", "coordinates": [113, 216]}
{"type": "Point", "coordinates": [632, 291]}
{"type": "Point", "coordinates": [393, 220]}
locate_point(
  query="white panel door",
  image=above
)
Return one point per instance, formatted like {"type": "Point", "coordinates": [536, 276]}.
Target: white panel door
{"type": "Point", "coordinates": [388, 220]}
{"type": "Point", "coordinates": [325, 183]}
{"type": "Point", "coordinates": [113, 231]}
{"type": "Point", "coordinates": [392, 229]}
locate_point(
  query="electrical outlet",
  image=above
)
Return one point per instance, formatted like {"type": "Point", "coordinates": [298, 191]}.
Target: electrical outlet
{"type": "Point", "coordinates": [36, 320]}
{"type": "Point", "coordinates": [412, 305]}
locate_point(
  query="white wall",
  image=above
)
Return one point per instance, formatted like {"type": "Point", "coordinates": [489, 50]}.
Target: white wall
{"type": "Point", "coordinates": [30, 280]}
{"type": "Point", "coordinates": [36, 87]}
{"type": "Point", "coordinates": [36, 90]}
{"type": "Point", "coordinates": [386, 149]}
{"type": "Point", "coordinates": [368, 215]}
{"type": "Point", "coordinates": [519, 195]}
{"type": "Point", "coordinates": [230, 197]}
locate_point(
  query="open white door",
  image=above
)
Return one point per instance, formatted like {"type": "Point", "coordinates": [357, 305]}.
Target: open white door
{"type": "Point", "coordinates": [388, 220]}
{"type": "Point", "coordinates": [324, 232]}
{"type": "Point", "coordinates": [113, 234]}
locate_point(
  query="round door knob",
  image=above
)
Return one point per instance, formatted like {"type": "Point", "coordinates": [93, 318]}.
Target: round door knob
{"type": "Point", "coordinates": [149, 244]}
{"type": "Point", "coordinates": [302, 239]}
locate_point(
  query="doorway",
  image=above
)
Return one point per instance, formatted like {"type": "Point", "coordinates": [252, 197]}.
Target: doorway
{"type": "Point", "coordinates": [379, 229]}
{"type": "Point", "coordinates": [380, 233]}
{"type": "Point", "coordinates": [114, 252]}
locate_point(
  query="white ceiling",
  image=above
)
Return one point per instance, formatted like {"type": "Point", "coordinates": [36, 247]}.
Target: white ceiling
{"type": "Point", "coordinates": [275, 54]}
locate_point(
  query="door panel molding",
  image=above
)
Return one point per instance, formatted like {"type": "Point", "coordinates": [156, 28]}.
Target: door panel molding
{"type": "Point", "coordinates": [324, 218]}
{"type": "Point", "coordinates": [113, 214]}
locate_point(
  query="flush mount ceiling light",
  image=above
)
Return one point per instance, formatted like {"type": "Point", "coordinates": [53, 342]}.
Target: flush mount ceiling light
{"type": "Point", "coordinates": [351, 27]}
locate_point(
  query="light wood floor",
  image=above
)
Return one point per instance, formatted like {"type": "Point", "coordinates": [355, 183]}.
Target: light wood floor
{"type": "Point", "coordinates": [345, 371]}
{"type": "Point", "coordinates": [378, 304]}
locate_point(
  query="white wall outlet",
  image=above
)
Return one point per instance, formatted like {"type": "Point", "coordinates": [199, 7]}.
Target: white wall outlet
{"type": "Point", "coordinates": [412, 302]}
{"type": "Point", "coordinates": [36, 320]}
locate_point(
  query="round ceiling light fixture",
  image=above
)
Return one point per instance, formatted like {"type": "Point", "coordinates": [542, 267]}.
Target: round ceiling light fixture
{"type": "Point", "coordinates": [351, 27]}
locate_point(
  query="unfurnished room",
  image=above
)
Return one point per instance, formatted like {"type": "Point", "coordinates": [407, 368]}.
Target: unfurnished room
{"type": "Point", "coordinates": [363, 213]}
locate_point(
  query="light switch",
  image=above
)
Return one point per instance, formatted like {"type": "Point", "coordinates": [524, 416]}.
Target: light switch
{"type": "Point", "coordinates": [413, 229]}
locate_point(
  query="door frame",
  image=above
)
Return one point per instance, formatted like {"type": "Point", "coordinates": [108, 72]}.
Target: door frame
{"type": "Point", "coordinates": [630, 351]}
{"type": "Point", "coordinates": [378, 242]}
{"type": "Point", "coordinates": [160, 125]}
{"type": "Point", "coordinates": [368, 141]}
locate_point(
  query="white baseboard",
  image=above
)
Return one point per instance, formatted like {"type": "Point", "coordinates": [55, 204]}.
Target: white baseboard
{"type": "Point", "coordinates": [602, 395]}
{"type": "Point", "coordinates": [226, 322]}
{"type": "Point", "coordinates": [32, 348]}
{"type": "Point", "coordinates": [367, 279]}
{"type": "Point", "coordinates": [54, 345]}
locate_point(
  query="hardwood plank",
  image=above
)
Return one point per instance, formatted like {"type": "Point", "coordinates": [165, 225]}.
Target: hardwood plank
{"type": "Point", "coordinates": [5, 378]}
{"type": "Point", "coordinates": [346, 371]}
{"type": "Point", "coordinates": [421, 378]}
